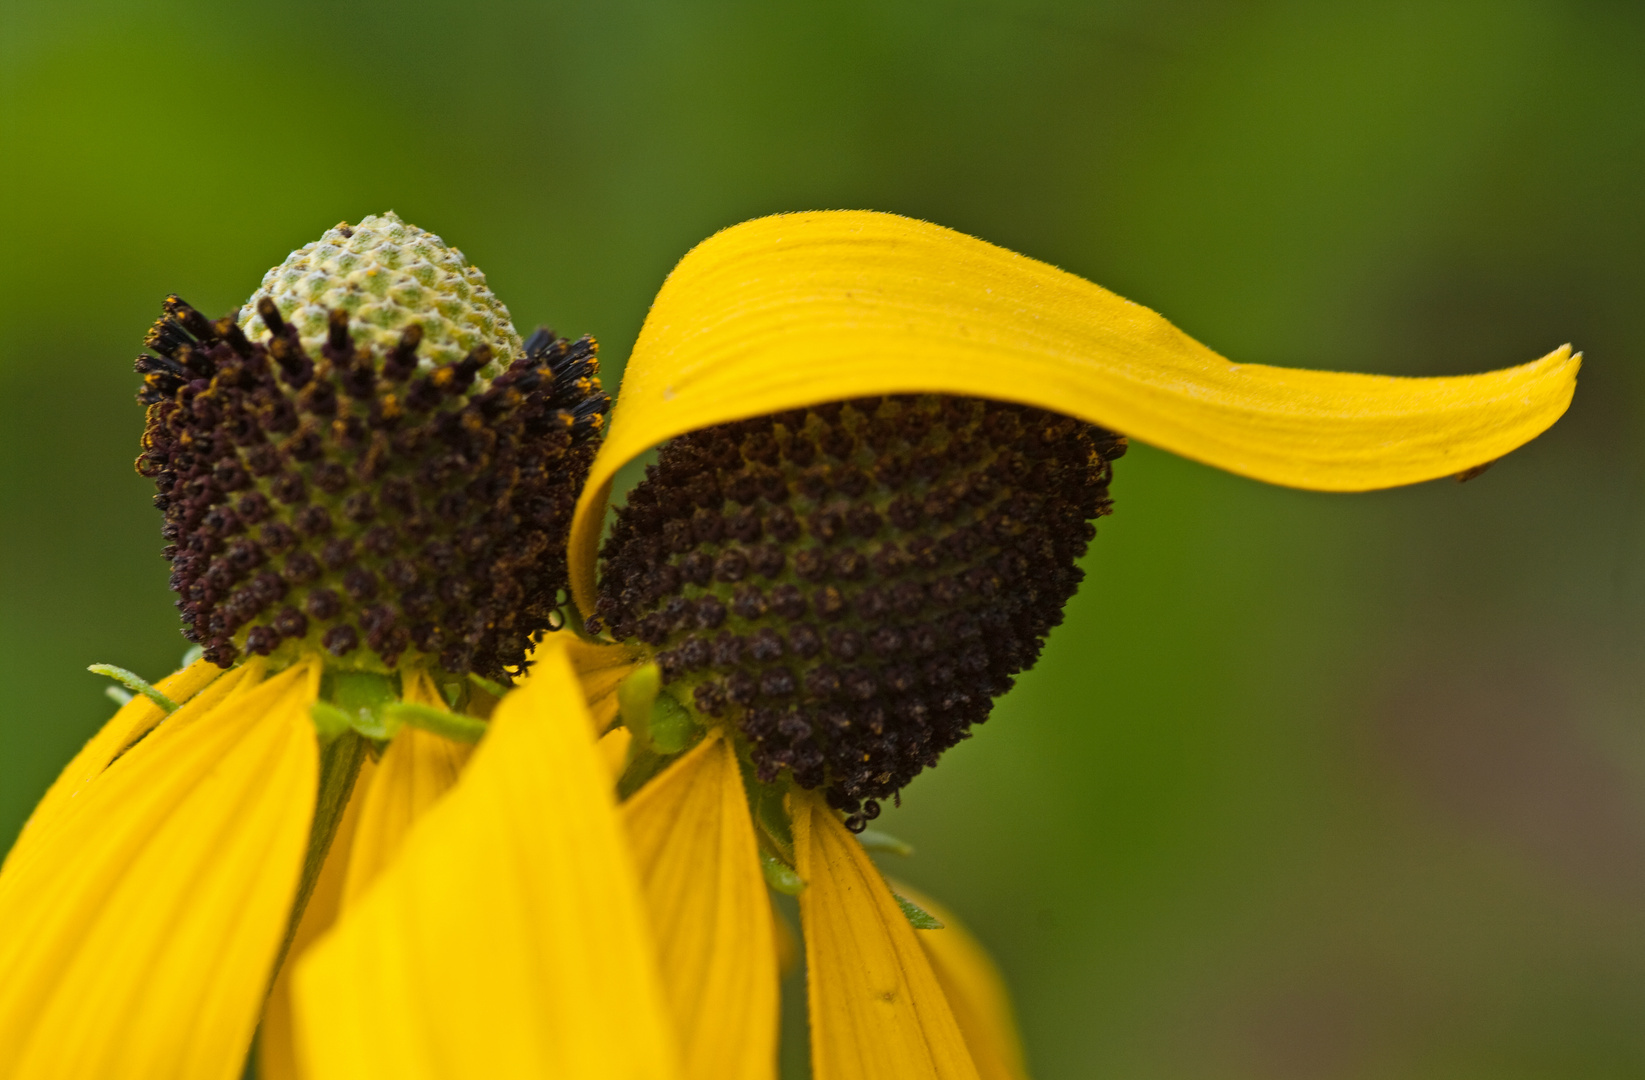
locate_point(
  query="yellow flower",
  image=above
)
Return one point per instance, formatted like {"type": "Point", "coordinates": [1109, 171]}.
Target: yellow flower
{"type": "Point", "coordinates": [516, 937]}
{"type": "Point", "coordinates": [366, 512]}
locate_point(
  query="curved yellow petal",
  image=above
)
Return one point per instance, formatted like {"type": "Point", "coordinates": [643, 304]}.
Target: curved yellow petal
{"type": "Point", "coordinates": [877, 1009]}
{"type": "Point", "coordinates": [798, 309]}
{"type": "Point", "coordinates": [142, 946]}
{"type": "Point", "coordinates": [276, 1037]}
{"type": "Point", "coordinates": [417, 769]}
{"type": "Point", "coordinates": [693, 842]}
{"type": "Point", "coordinates": [131, 722]}
{"type": "Point", "coordinates": [976, 993]}
{"type": "Point", "coordinates": [509, 938]}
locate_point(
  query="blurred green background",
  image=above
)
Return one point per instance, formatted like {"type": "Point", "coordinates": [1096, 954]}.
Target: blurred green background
{"type": "Point", "coordinates": [1306, 786]}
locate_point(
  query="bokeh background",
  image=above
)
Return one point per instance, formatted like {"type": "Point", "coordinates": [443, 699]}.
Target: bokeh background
{"type": "Point", "coordinates": [1307, 786]}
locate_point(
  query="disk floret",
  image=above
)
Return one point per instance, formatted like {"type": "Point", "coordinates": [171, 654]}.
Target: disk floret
{"type": "Point", "coordinates": [363, 502]}
{"type": "Point", "coordinates": [851, 585]}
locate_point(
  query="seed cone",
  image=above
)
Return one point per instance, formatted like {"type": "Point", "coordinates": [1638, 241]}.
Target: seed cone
{"type": "Point", "coordinates": [366, 502]}
{"type": "Point", "coordinates": [851, 585]}
{"type": "Point", "coordinates": [386, 274]}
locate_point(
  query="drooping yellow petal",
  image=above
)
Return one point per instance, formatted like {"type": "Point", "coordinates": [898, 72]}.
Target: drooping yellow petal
{"type": "Point", "coordinates": [509, 938]}
{"type": "Point", "coordinates": [600, 667]}
{"type": "Point", "coordinates": [799, 309]}
{"type": "Point", "coordinates": [276, 1037]}
{"type": "Point", "coordinates": [694, 846]}
{"type": "Point", "coordinates": [131, 722]}
{"type": "Point", "coordinates": [877, 1009]}
{"type": "Point", "coordinates": [417, 769]}
{"type": "Point", "coordinates": [143, 945]}
{"type": "Point", "coordinates": [975, 992]}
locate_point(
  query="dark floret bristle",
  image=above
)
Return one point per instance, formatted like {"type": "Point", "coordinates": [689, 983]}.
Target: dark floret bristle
{"type": "Point", "coordinates": [361, 504]}
{"type": "Point", "coordinates": [851, 585]}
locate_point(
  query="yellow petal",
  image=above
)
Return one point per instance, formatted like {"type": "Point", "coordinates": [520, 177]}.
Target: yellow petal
{"type": "Point", "coordinates": [509, 938]}
{"type": "Point", "coordinates": [131, 722]}
{"type": "Point", "coordinates": [600, 667]}
{"type": "Point", "coordinates": [877, 1010]}
{"type": "Point", "coordinates": [975, 992]}
{"type": "Point", "coordinates": [417, 769]}
{"type": "Point", "coordinates": [798, 309]}
{"type": "Point", "coordinates": [142, 946]}
{"type": "Point", "coordinates": [276, 1039]}
{"type": "Point", "coordinates": [694, 846]}
{"type": "Point", "coordinates": [614, 746]}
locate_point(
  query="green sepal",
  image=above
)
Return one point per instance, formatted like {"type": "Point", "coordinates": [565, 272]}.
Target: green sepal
{"type": "Point", "coordinates": [772, 818]}
{"type": "Point", "coordinates": [657, 720]}
{"type": "Point", "coordinates": [454, 694]}
{"type": "Point", "coordinates": [495, 689]}
{"type": "Point", "coordinates": [360, 696]}
{"type": "Point", "coordinates": [135, 683]}
{"type": "Point", "coordinates": [782, 877]}
{"type": "Point", "coordinates": [636, 694]}
{"type": "Point", "coordinates": [775, 837]}
{"type": "Point", "coordinates": [884, 843]}
{"type": "Point", "coordinates": [918, 917]}
{"type": "Point", "coordinates": [353, 691]}
{"type": "Point", "coordinates": [329, 721]}
{"type": "Point", "coordinates": [672, 726]}
{"type": "Point", "coordinates": [195, 652]}
{"type": "Point", "coordinates": [449, 725]}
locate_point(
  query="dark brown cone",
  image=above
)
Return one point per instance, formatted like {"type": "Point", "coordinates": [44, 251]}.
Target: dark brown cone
{"type": "Point", "coordinates": [362, 506]}
{"type": "Point", "coordinates": [852, 585]}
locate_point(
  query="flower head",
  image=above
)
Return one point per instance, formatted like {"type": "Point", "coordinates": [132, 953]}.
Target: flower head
{"type": "Point", "coordinates": [883, 444]}
{"type": "Point", "coordinates": [366, 480]}
{"type": "Point", "coordinates": [883, 461]}
{"type": "Point", "coordinates": [351, 481]}
{"type": "Point", "coordinates": [852, 584]}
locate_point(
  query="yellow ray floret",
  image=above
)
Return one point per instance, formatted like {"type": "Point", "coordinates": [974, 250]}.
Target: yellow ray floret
{"type": "Point", "coordinates": [693, 842]}
{"type": "Point", "coordinates": [143, 945]}
{"type": "Point", "coordinates": [131, 722]}
{"type": "Point", "coordinates": [877, 1010]}
{"type": "Point", "coordinates": [276, 1040]}
{"type": "Point", "coordinates": [614, 746]}
{"type": "Point", "coordinates": [798, 309]}
{"type": "Point", "coordinates": [509, 937]}
{"type": "Point", "coordinates": [417, 769]}
{"type": "Point", "coordinates": [975, 991]}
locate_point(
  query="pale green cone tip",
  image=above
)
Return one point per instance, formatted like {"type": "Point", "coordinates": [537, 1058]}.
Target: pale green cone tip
{"type": "Point", "coordinates": [387, 274]}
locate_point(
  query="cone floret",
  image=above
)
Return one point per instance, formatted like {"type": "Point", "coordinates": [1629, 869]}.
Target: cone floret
{"type": "Point", "coordinates": [851, 585]}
